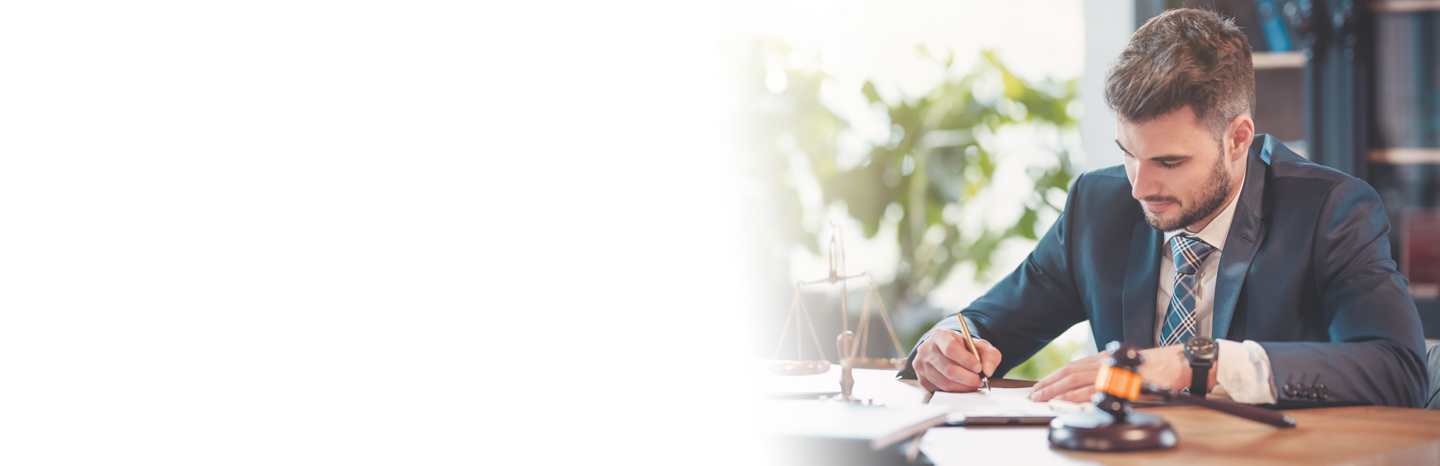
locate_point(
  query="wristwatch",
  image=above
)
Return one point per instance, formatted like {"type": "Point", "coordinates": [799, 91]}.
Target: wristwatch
{"type": "Point", "coordinates": [1201, 351]}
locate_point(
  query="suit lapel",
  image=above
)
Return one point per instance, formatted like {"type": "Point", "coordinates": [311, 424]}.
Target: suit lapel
{"type": "Point", "coordinates": [1142, 281]}
{"type": "Point", "coordinates": [1246, 232]}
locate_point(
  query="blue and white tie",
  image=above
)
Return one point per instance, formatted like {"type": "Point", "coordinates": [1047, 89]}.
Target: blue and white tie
{"type": "Point", "coordinates": [1180, 321]}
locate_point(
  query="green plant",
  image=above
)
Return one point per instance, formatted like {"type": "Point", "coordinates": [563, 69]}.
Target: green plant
{"type": "Point", "coordinates": [942, 156]}
{"type": "Point", "coordinates": [933, 174]}
{"type": "Point", "coordinates": [1054, 355]}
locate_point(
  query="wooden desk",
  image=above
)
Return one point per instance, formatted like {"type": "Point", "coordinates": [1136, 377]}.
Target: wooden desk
{"type": "Point", "coordinates": [1368, 435]}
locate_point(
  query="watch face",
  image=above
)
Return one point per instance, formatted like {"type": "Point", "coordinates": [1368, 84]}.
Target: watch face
{"type": "Point", "coordinates": [1201, 347]}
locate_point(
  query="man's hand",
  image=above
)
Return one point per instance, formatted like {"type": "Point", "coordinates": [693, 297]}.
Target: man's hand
{"type": "Point", "coordinates": [1165, 366]}
{"type": "Point", "coordinates": [1074, 382]}
{"type": "Point", "coordinates": [944, 363]}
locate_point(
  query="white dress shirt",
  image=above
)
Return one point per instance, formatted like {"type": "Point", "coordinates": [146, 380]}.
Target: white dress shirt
{"type": "Point", "coordinates": [1244, 373]}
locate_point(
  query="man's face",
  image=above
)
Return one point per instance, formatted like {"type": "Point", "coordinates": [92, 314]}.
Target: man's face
{"type": "Point", "coordinates": [1177, 170]}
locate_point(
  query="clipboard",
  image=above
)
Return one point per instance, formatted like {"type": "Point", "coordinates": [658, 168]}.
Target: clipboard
{"type": "Point", "coordinates": [1000, 407]}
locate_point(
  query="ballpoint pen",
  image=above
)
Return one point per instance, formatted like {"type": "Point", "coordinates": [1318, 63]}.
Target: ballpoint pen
{"type": "Point", "coordinates": [975, 350]}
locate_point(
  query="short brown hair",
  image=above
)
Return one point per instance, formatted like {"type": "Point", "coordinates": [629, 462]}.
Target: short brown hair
{"type": "Point", "coordinates": [1184, 57]}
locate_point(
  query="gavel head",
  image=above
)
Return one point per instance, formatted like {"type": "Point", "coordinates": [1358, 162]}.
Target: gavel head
{"type": "Point", "coordinates": [1118, 383]}
{"type": "Point", "coordinates": [1123, 356]}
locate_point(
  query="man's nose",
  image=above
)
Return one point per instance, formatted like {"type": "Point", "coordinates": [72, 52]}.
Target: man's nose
{"type": "Point", "coordinates": [1144, 183]}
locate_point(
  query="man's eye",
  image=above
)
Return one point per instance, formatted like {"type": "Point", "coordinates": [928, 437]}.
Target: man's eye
{"type": "Point", "coordinates": [1169, 164]}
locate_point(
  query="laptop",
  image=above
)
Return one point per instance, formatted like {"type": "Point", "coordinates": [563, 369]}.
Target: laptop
{"type": "Point", "coordinates": [755, 380]}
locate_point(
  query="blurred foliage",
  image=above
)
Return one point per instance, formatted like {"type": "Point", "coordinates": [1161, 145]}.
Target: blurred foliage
{"type": "Point", "coordinates": [939, 157]}
{"type": "Point", "coordinates": [761, 212]}
{"type": "Point", "coordinates": [1053, 356]}
{"type": "Point", "coordinates": [938, 162]}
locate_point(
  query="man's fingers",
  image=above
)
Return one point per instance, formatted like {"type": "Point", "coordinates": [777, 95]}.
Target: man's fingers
{"type": "Point", "coordinates": [952, 378]}
{"type": "Point", "coordinates": [1054, 377]}
{"type": "Point", "coordinates": [961, 376]}
{"type": "Point", "coordinates": [934, 347]}
{"type": "Point", "coordinates": [989, 357]}
{"type": "Point", "coordinates": [1087, 364]}
{"type": "Point", "coordinates": [949, 377]}
{"type": "Point", "coordinates": [1075, 380]}
{"type": "Point", "coordinates": [1079, 395]}
{"type": "Point", "coordinates": [945, 363]}
{"type": "Point", "coordinates": [929, 377]}
{"type": "Point", "coordinates": [924, 376]}
{"type": "Point", "coordinates": [952, 345]}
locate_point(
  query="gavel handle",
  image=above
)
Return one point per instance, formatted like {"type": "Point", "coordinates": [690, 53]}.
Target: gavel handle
{"type": "Point", "coordinates": [1254, 413]}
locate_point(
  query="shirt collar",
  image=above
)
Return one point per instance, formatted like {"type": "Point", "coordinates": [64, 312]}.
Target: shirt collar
{"type": "Point", "coordinates": [1215, 233]}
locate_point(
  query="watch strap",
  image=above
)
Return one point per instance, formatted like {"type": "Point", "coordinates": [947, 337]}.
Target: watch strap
{"type": "Point", "coordinates": [1199, 378]}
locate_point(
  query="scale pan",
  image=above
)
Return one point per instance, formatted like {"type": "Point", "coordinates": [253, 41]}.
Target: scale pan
{"type": "Point", "coordinates": [800, 367]}
{"type": "Point", "coordinates": [879, 363]}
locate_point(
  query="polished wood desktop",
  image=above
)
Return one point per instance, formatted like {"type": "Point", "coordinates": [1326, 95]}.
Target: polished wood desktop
{"type": "Point", "coordinates": [1368, 435]}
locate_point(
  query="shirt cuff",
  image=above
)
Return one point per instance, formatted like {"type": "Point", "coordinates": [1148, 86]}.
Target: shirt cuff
{"type": "Point", "coordinates": [1244, 372]}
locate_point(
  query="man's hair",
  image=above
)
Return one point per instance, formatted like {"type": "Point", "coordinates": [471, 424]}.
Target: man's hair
{"type": "Point", "coordinates": [1184, 57]}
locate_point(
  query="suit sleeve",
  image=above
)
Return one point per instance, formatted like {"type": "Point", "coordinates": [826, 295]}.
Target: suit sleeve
{"type": "Point", "coordinates": [1376, 349]}
{"type": "Point", "coordinates": [1031, 306]}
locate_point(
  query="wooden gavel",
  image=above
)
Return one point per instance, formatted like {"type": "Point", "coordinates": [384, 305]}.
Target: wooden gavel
{"type": "Point", "coordinates": [1118, 379]}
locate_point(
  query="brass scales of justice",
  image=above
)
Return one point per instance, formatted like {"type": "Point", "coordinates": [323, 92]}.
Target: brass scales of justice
{"type": "Point", "coordinates": [848, 343]}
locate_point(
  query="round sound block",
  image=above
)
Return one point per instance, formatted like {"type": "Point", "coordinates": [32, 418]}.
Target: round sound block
{"type": "Point", "coordinates": [1098, 431]}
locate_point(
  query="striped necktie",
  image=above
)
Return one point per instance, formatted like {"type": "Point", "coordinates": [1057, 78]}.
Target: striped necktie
{"type": "Point", "coordinates": [1180, 321]}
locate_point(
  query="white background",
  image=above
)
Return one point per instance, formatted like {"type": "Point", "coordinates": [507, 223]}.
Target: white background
{"type": "Point", "coordinates": [311, 232]}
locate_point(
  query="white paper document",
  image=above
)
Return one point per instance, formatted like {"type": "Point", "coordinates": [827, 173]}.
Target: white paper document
{"type": "Point", "coordinates": [999, 406]}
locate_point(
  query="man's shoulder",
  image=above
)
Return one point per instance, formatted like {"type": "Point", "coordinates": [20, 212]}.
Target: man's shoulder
{"type": "Point", "coordinates": [1286, 164]}
{"type": "Point", "coordinates": [1299, 179]}
{"type": "Point", "coordinates": [1111, 172]}
{"type": "Point", "coordinates": [1103, 196]}
{"type": "Point", "coordinates": [1103, 184]}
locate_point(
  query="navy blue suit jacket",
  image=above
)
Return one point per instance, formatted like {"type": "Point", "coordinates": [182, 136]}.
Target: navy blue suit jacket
{"type": "Point", "coordinates": [1306, 271]}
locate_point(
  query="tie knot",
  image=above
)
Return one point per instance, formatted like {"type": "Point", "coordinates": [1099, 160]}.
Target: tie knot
{"type": "Point", "coordinates": [1189, 252]}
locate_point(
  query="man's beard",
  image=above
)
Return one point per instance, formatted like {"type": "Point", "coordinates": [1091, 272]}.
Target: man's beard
{"type": "Point", "coordinates": [1211, 198]}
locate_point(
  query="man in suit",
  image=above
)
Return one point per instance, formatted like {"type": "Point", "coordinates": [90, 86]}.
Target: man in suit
{"type": "Point", "coordinates": [1208, 230]}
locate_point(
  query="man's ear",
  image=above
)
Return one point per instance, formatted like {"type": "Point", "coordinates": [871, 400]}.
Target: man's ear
{"type": "Point", "coordinates": [1238, 137]}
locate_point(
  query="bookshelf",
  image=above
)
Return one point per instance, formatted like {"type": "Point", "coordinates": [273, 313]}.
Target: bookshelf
{"type": "Point", "coordinates": [1278, 60]}
{"type": "Point", "coordinates": [1279, 96]}
{"type": "Point", "coordinates": [1404, 155]}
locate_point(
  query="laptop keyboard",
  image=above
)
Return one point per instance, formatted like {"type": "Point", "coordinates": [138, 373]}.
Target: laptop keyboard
{"type": "Point", "coordinates": [733, 381]}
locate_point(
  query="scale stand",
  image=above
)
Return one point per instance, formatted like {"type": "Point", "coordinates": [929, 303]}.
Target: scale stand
{"type": "Point", "coordinates": [848, 343]}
